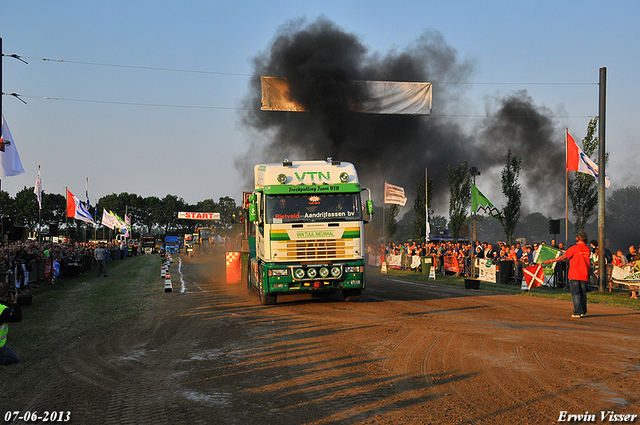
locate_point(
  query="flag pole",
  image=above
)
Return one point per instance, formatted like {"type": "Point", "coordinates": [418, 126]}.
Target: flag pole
{"type": "Point", "coordinates": [1, 115]}
{"type": "Point", "coordinates": [566, 188]}
{"type": "Point", "coordinates": [66, 213]}
{"type": "Point", "coordinates": [384, 230]}
{"type": "Point", "coordinates": [95, 218]}
{"type": "Point", "coordinates": [426, 205]}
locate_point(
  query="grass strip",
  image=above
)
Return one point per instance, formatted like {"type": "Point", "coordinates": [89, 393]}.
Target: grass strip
{"type": "Point", "coordinates": [65, 310]}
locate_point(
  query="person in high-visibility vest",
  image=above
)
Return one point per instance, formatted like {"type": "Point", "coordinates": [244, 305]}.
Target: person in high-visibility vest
{"type": "Point", "coordinates": [10, 312]}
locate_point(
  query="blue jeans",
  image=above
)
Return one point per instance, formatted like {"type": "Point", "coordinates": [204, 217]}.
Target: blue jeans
{"type": "Point", "coordinates": [578, 290]}
{"type": "Point", "coordinates": [8, 356]}
{"type": "Point", "coordinates": [102, 267]}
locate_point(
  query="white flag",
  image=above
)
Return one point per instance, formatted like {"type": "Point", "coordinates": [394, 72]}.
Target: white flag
{"type": "Point", "coordinates": [108, 219]}
{"type": "Point", "coordinates": [11, 165]}
{"type": "Point", "coordinates": [394, 194]}
{"type": "Point", "coordinates": [38, 189]}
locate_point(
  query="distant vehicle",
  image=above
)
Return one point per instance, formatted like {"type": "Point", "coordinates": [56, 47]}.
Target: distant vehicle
{"type": "Point", "coordinates": [148, 243]}
{"type": "Point", "coordinates": [172, 244]}
{"type": "Point", "coordinates": [204, 237]}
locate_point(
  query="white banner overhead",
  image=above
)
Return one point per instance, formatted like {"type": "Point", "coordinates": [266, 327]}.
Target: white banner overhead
{"type": "Point", "coordinates": [199, 215]}
{"type": "Point", "coordinates": [394, 194]}
{"type": "Point", "coordinates": [385, 97]}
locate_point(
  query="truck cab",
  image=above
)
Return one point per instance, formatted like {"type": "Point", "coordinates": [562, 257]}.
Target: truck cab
{"type": "Point", "coordinates": [308, 218]}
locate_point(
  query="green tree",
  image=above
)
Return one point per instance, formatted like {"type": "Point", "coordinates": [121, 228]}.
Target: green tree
{"type": "Point", "coordinates": [511, 190]}
{"type": "Point", "coordinates": [227, 208]}
{"type": "Point", "coordinates": [460, 190]}
{"type": "Point", "coordinates": [437, 222]}
{"type": "Point", "coordinates": [623, 220]}
{"type": "Point", "coordinates": [582, 189]}
{"type": "Point", "coordinates": [54, 208]}
{"type": "Point", "coordinates": [7, 208]}
{"type": "Point", "coordinates": [392, 223]}
{"type": "Point", "coordinates": [146, 215]}
{"type": "Point", "coordinates": [132, 207]}
{"type": "Point", "coordinates": [26, 205]}
{"type": "Point", "coordinates": [167, 213]}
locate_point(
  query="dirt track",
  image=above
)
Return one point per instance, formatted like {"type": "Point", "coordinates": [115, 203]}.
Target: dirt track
{"type": "Point", "coordinates": [407, 353]}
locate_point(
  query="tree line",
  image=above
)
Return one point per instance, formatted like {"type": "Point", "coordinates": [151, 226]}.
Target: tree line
{"type": "Point", "coordinates": [622, 206]}
{"type": "Point", "coordinates": [146, 213]}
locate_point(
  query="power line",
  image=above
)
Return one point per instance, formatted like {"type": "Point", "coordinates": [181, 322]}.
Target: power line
{"type": "Point", "coordinates": [237, 74]}
{"type": "Point", "coordinates": [110, 102]}
{"type": "Point", "coordinates": [165, 105]}
{"type": "Point", "coordinates": [152, 68]}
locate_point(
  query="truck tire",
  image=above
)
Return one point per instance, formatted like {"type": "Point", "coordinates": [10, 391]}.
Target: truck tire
{"type": "Point", "coordinates": [249, 279]}
{"type": "Point", "coordinates": [265, 299]}
{"type": "Point", "coordinates": [351, 295]}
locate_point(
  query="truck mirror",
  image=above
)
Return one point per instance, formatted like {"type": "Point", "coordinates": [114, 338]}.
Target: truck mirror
{"type": "Point", "coordinates": [253, 212]}
{"type": "Point", "coordinates": [369, 205]}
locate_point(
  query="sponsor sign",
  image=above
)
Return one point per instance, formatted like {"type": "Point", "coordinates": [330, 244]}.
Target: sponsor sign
{"type": "Point", "coordinates": [309, 188]}
{"type": "Point", "coordinates": [486, 270]}
{"type": "Point", "coordinates": [199, 215]}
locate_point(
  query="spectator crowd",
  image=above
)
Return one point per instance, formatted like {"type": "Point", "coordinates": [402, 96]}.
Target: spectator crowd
{"type": "Point", "coordinates": [456, 257]}
{"type": "Point", "coordinates": [34, 263]}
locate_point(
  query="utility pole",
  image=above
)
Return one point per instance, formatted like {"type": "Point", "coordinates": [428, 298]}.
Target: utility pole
{"type": "Point", "coordinates": [474, 172]}
{"type": "Point", "coordinates": [602, 267]}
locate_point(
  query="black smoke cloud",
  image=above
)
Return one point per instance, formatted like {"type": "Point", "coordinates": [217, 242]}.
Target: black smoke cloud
{"type": "Point", "coordinates": [321, 60]}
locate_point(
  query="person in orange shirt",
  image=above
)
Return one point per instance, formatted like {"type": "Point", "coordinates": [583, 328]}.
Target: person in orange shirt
{"type": "Point", "coordinates": [579, 263]}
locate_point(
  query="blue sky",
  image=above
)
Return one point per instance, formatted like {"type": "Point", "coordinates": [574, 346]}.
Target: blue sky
{"type": "Point", "coordinates": [147, 126]}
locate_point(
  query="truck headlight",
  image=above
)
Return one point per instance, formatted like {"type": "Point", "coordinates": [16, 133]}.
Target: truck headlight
{"type": "Point", "coordinates": [311, 273]}
{"type": "Point", "coordinates": [353, 269]}
{"type": "Point", "coordinates": [299, 273]}
{"type": "Point", "coordinates": [335, 271]}
{"type": "Point", "coordinates": [324, 272]}
{"type": "Point", "coordinates": [279, 272]}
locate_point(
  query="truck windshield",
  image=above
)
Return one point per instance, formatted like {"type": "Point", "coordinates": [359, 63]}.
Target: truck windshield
{"type": "Point", "coordinates": [313, 208]}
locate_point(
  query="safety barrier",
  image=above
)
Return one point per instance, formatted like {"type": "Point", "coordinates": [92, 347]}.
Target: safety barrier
{"type": "Point", "coordinates": [234, 267]}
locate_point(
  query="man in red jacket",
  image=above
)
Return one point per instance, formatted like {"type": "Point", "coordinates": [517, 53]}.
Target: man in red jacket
{"type": "Point", "coordinates": [579, 256]}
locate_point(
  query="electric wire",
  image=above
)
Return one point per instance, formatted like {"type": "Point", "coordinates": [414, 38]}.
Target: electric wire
{"type": "Point", "coordinates": [151, 68]}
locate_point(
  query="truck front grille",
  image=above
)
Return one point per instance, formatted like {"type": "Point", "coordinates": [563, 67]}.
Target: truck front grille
{"type": "Point", "coordinates": [313, 249]}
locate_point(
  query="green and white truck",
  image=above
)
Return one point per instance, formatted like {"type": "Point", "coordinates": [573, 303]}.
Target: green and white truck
{"type": "Point", "coordinates": [306, 230]}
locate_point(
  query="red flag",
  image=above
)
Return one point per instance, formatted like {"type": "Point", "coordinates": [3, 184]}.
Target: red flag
{"type": "Point", "coordinates": [580, 162]}
{"type": "Point", "coordinates": [573, 154]}
{"type": "Point", "coordinates": [71, 205]}
{"type": "Point", "coordinates": [534, 275]}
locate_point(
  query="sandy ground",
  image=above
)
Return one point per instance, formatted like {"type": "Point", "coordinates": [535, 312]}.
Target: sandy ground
{"type": "Point", "coordinates": [407, 353]}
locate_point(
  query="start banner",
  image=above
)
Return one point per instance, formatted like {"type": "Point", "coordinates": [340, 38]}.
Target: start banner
{"type": "Point", "coordinates": [199, 215]}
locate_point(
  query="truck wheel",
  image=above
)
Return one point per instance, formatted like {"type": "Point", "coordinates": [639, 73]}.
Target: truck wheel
{"type": "Point", "coordinates": [249, 279]}
{"type": "Point", "coordinates": [351, 295]}
{"type": "Point", "coordinates": [267, 299]}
